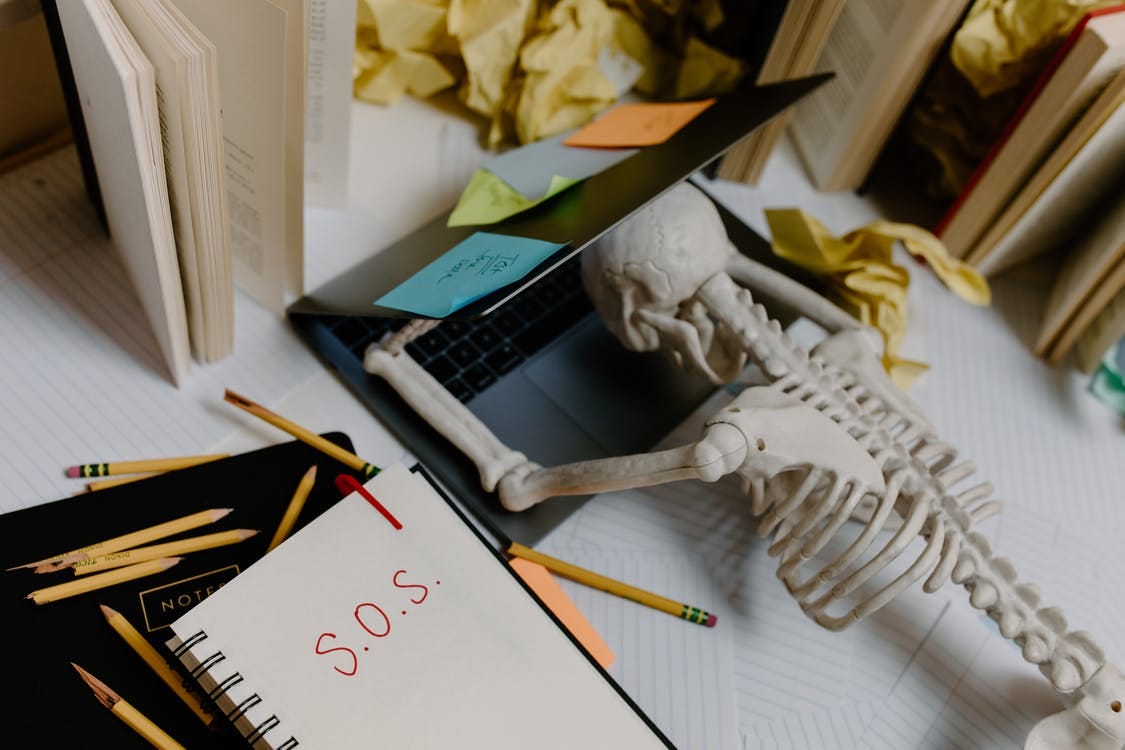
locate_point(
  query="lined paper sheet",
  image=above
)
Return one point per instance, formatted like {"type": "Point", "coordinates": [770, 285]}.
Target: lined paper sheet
{"type": "Point", "coordinates": [785, 669]}
{"type": "Point", "coordinates": [971, 688]}
{"type": "Point", "coordinates": [81, 369]}
{"type": "Point", "coordinates": [678, 672]}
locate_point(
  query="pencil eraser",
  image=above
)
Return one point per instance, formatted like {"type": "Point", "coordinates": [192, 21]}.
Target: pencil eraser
{"type": "Point", "coordinates": [711, 619]}
{"type": "Point", "coordinates": [73, 472]}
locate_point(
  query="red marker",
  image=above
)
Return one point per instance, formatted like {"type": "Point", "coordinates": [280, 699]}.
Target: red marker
{"type": "Point", "coordinates": [348, 484]}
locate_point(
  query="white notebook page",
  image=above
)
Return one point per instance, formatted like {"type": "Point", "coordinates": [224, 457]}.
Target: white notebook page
{"type": "Point", "coordinates": [355, 633]}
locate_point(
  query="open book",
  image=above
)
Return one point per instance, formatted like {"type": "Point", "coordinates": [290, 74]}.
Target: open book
{"type": "Point", "coordinates": [798, 40]}
{"type": "Point", "coordinates": [880, 50]}
{"type": "Point", "coordinates": [354, 633]}
{"type": "Point", "coordinates": [189, 116]}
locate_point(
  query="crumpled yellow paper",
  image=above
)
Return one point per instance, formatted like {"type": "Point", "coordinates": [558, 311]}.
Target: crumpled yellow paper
{"type": "Point", "coordinates": [862, 274]}
{"type": "Point", "coordinates": [563, 86]}
{"type": "Point", "coordinates": [1001, 43]}
{"type": "Point", "coordinates": [399, 44]}
{"type": "Point", "coordinates": [535, 69]}
{"type": "Point", "coordinates": [490, 34]}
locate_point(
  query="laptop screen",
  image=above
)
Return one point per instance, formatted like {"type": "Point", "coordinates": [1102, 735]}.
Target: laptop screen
{"type": "Point", "coordinates": [574, 218]}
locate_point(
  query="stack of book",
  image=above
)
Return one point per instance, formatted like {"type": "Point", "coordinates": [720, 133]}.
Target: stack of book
{"type": "Point", "coordinates": [1060, 150]}
{"type": "Point", "coordinates": [1052, 184]}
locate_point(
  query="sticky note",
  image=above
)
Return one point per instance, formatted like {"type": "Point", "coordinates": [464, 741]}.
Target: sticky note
{"type": "Point", "coordinates": [481, 263]}
{"type": "Point", "coordinates": [531, 168]}
{"type": "Point", "coordinates": [640, 124]}
{"type": "Point", "coordinates": [487, 199]}
{"type": "Point", "coordinates": [540, 580]}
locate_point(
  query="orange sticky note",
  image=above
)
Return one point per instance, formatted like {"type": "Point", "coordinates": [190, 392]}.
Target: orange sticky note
{"type": "Point", "coordinates": [548, 589]}
{"type": "Point", "coordinates": [642, 124]}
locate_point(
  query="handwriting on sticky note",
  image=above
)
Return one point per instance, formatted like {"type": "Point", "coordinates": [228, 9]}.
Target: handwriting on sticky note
{"type": "Point", "coordinates": [369, 623]}
{"type": "Point", "coordinates": [635, 125]}
{"type": "Point", "coordinates": [481, 263]}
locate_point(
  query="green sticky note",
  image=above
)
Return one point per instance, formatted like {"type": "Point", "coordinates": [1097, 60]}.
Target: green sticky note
{"type": "Point", "coordinates": [487, 199]}
{"type": "Point", "coordinates": [479, 264]}
{"type": "Point", "coordinates": [1108, 382]}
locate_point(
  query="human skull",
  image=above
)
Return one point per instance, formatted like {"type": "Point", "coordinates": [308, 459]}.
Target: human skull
{"type": "Point", "coordinates": [642, 278]}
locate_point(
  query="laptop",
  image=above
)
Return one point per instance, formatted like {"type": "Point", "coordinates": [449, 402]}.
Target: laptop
{"type": "Point", "coordinates": [532, 360]}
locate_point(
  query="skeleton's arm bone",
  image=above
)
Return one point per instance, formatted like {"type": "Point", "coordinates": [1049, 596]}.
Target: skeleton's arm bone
{"type": "Point", "coordinates": [721, 451]}
{"type": "Point", "coordinates": [522, 483]}
{"type": "Point", "coordinates": [445, 414]}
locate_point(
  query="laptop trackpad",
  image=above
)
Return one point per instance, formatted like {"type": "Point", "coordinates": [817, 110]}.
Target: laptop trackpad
{"type": "Point", "coordinates": [624, 401]}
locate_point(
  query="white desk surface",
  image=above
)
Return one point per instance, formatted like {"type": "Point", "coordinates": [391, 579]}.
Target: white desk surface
{"type": "Point", "coordinates": [80, 382]}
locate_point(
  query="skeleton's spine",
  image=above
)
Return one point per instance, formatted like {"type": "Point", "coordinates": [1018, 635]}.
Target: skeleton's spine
{"type": "Point", "coordinates": [1067, 659]}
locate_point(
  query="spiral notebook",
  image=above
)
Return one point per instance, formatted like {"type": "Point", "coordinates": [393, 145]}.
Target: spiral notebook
{"type": "Point", "coordinates": [394, 624]}
{"type": "Point", "coordinates": [43, 640]}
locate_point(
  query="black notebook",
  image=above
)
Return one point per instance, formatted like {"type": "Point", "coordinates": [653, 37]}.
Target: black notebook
{"type": "Point", "coordinates": [46, 704]}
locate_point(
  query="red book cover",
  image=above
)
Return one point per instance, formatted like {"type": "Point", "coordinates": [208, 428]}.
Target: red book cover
{"type": "Point", "coordinates": [1025, 105]}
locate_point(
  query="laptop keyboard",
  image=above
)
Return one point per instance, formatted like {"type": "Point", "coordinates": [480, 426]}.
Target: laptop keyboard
{"type": "Point", "coordinates": [469, 356]}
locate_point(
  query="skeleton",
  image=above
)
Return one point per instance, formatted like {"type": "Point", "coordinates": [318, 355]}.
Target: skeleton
{"type": "Point", "coordinates": [828, 439]}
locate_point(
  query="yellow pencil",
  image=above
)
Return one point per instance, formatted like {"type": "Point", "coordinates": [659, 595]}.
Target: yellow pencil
{"type": "Point", "coordinates": [127, 541]}
{"type": "Point", "coordinates": [167, 549]}
{"type": "Point", "coordinates": [598, 581]}
{"type": "Point", "coordinates": [293, 510]}
{"type": "Point", "coordinates": [122, 709]}
{"type": "Point", "coordinates": [82, 471]}
{"type": "Point", "coordinates": [101, 484]}
{"type": "Point", "coordinates": [156, 662]}
{"type": "Point", "coordinates": [101, 580]}
{"type": "Point", "coordinates": [306, 436]}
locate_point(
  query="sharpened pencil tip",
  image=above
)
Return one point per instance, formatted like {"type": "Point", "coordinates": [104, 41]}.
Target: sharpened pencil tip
{"type": "Point", "coordinates": [107, 611]}
{"type": "Point", "coordinates": [233, 398]}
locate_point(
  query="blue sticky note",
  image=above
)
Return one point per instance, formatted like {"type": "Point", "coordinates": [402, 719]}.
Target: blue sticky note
{"type": "Point", "coordinates": [479, 264]}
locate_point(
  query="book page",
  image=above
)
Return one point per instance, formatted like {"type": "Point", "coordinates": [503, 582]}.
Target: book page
{"type": "Point", "coordinates": [1096, 56]}
{"type": "Point", "coordinates": [169, 67]}
{"type": "Point", "coordinates": [250, 37]}
{"type": "Point", "coordinates": [297, 14]}
{"type": "Point", "coordinates": [1086, 262]}
{"type": "Point", "coordinates": [1103, 332]}
{"type": "Point", "coordinates": [878, 50]}
{"type": "Point", "coordinates": [1079, 173]}
{"type": "Point", "coordinates": [419, 636]}
{"type": "Point", "coordinates": [328, 106]}
{"type": "Point", "coordinates": [117, 90]}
